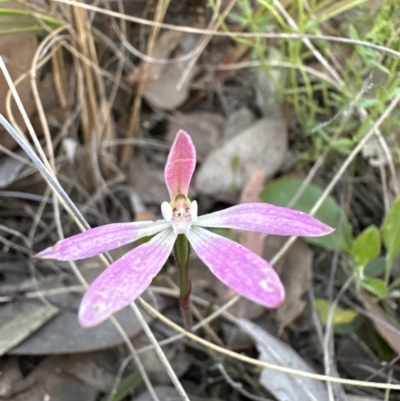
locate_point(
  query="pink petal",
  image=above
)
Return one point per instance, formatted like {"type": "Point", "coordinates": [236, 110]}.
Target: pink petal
{"type": "Point", "coordinates": [265, 218]}
{"type": "Point", "coordinates": [180, 165]}
{"type": "Point", "coordinates": [124, 280]}
{"type": "Point", "coordinates": [101, 239]}
{"type": "Point", "coordinates": [238, 268]}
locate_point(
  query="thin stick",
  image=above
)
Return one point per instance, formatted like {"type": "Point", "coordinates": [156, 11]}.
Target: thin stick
{"type": "Point", "coordinates": [133, 123]}
{"type": "Point", "coordinates": [174, 378]}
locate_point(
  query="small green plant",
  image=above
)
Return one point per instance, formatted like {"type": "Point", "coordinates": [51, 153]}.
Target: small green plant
{"type": "Point", "coordinates": [344, 320]}
{"type": "Point", "coordinates": [125, 387]}
{"type": "Point", "coordinates": [333, 109]}
{"type": "Point", "coordinates": [14, 21]}
{"type": "Point", "coordinates": [365, 249]}
{"type": "Point", "coordinates": [368, 264]}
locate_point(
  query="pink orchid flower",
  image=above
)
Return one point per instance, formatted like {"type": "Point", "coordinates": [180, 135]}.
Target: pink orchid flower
{"type": "Point", "coordinates": [237, 267]}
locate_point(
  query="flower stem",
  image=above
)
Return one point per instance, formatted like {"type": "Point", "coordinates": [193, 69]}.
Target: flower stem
{"type": "Point", "coordinates": [182, 254]}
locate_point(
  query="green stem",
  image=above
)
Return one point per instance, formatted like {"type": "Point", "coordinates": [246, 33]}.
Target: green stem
{"type": "Point", "coordinates": [182, 255]}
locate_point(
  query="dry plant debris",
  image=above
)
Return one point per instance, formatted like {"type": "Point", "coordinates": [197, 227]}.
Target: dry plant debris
{"type": "Point", "coordinates": [282, 385]}
{"type": "Point", "coordinates": [17, 51]}
{"type": "Point", "coordinates": [224, 172]}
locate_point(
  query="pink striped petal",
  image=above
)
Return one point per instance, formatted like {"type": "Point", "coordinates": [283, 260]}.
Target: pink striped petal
{"type": "Point", "coordinates": [124, 280]}
{"type": "Point", "coordinates": [180, 165]}
{"type": "Point", "coordinates": [265, 218]}
{"type": "Point", "coordinates": [101, 239]}
{"type": "Point", "coordinates": [238, 268]}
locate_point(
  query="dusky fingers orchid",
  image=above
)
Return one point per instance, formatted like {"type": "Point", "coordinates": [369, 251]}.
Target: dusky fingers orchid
{"type": "Point", "coordinates": [242, 270]}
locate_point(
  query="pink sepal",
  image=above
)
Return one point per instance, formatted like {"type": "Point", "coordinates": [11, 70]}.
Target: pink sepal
{"type": "Point", "coordinates": [266, 218]}
{"type": "Point", "coordinates": [101, 239]}
{"type": "Point", "coordinates": [238, 268]}
{"type": "Point", "coordinates": [124, 280]}
{"type": "Point", "coordinates": [180, 165]}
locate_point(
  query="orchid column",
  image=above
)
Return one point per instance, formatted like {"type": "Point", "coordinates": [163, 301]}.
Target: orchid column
{"type": "Point", "coordinates": [180, 212]}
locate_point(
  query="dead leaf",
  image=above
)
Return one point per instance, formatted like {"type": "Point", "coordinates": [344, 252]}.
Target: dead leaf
{"type": "Point", "coordinates": [267, 91]}
{"type": "Point", "coordinates": [204, 284]}
{"type": "Point", "coordinates": [374, 153]}
{"type": "Point", "coordinates": [225, 171]}
{"type": "Point", "coordinates": [204, 129]}
{"type": "Point", "coordinates": [177, 357]}
{"type": "Point", "coordinates": [10, 374]}
{"type": "Point", "coordinates": [48, 92]}
{"type": "Point", "coordinates": [237, 122]}
{"type": "Point", "coordinates": [350, 397]}
{"type": "Point", "coordinates": [282, 385]}
{"type": "Point", "coordinates": [352, 356]}
{"type": "Point", "coordinates": [161, 87]}
{"type": "Point", "coordinates": [148, 181]}
{"type": "Point", "coordinates": [63, 334]}
{"type": "Point", "coordinates": [166, 44]}
{"type": "Point", "coordinates": [10, 167]}
{"type": "Point", "coordinates": [163, 393]}
{"type": "Point", "coordinates": [295, 271]}
{"type": "Point", "coordinates": [167, 393]}
{"type": "Point", "coordinates": [23, 325]}
{"type": "Point", "coordinates": [48, 382]}
{"type": "Point", "coordinates": [391, 336]}
{"type": "Point", "coordinates": [17, 51]}
{"type": "Point", "coordinates": [64, 387]}
{"type": "Point", "coordinates": [97, 369]}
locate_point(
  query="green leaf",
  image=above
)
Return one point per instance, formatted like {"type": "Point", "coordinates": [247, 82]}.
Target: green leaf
{"type": "Point", "coordinates": [382, 348]}
{"type": "Point", "coordinates": [340, 315]}
{"type": "Point", "coordinates": [353, 33]}
{"type": "Point", "coordinates": [237, 19]}
{"type": "Point", "coordinates": [375, 286]}
{"type": "Point", "coordinates": [391, 231]}
{"type": "Point", "coordinates": [379, 66]}
{"type": "Point", "coordinates": [368, 102]}
{"type": "Point", "coordinates": [395, 283]}
{"type": "Point", "coordinates": [125, 387]}
{"type": "Point", "coordinates": [376, 267]}
{"type": "Point", "coordinates": [367, 246]}
{"type": "Point", "coordinates": [280, 192]}
{"type": "Point", "coordinates": [342, 145]}
{"type": "Point", "coordinates": [348, 328]}
{"type": "Point", "coordinates": [344, 320]}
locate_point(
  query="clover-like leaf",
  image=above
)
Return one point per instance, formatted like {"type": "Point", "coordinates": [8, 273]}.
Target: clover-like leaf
{"type": "Point", "coordinates": [367, 246]}
{"type": "Point", "coordinates": [391, 231]}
